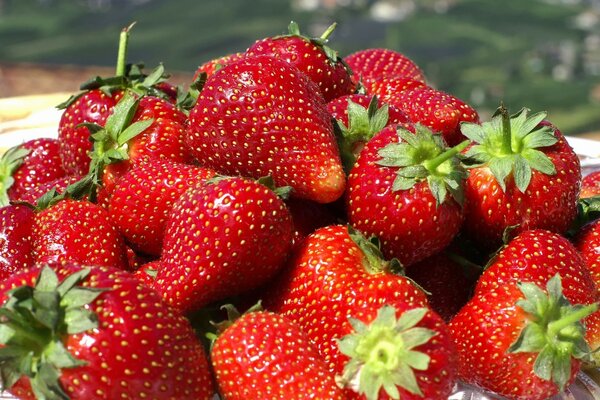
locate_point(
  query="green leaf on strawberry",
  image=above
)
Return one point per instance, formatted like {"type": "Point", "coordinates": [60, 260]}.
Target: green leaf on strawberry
{"type": "Point", "coordinates": [10, 161]}
{"type": "Point", "coordinates": [509, 145]}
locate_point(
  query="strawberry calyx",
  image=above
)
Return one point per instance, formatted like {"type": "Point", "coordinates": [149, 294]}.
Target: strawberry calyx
{"type": "Point", "coordinates": [363, 124]}
{"type": "Point", "coordinates": [9, 162]}
{"type": "Point", "coordinates": [554, 330]}
{"type": "Point", "coordinates": [34, 322]}
{"type": "Point", "coordinates": [320, 42]}
{"type": "Point", "coordinates": [509, 146]}
{"type": "Point", "coordinates": [382, 354]}
{"type": "Point", "coordinates": [424, 156]}
{"type": "Point", "coordinates": [233, 315]}
{"type": "Point", "coordinates": [373, 261]}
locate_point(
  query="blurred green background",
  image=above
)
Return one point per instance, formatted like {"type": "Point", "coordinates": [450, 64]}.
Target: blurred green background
{"type": "Point", "coordinates": [542, 54]}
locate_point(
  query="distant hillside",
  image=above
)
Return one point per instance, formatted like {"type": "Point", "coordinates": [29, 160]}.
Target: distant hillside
{"type": "Point", "coordinates": [525, 52]}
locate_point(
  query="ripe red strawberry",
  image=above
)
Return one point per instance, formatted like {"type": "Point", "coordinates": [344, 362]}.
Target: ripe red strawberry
{"type": "Point", "coordinates": [223, 237]}
{"type": "Point", "coordinates": [547, 254]}
{"type": "Point", "coordinates": [370, 64]}
{"type": "Point", "coordinates": [386, 87]}
{"type": "Point", "coordinates": [261, 116]}
{"type": "Point", "coordinates": [587, 243]}
{"type": "Point", "coordinates": [312, 56]}
{"type": "Point", "coordinates": [406, 189]}
{"type": "Point", "coordinates": [590, 185]}
{"type": "Point", "coordinates": [333, 263]}
{"type": "Point", "coordinates": [143, 197]}
{"type": "Point", "coordinates": [96, 332]}
{"type": "Point", "coordinates": [212, 66]}
{"type": "Point", "coordinates": [359, 117]}
{"type": "Point", "coordinates": [77, 231]}
{"type": "Point", "coordinates": [15, 239]}
{"type": "Point", "coordinates": [262, 355]}
{"type": "Point", "coordinates": [521, 341]}
{"type": "Point", "coordinates": [440, 111]}
{"type": "Point", "coordinates": [27, 166]}
{"type": "Point", "coordinates": [59, 185]}
{"type": "Point", "coordinates": [525, 176]}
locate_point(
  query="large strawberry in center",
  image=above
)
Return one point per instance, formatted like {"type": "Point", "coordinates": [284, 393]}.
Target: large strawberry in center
{"type": "Point", "coordinates": [261, 116]}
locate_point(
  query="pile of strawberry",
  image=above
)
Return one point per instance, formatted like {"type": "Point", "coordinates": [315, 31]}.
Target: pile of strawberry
{"type": "Point", "coordinates": [294, 226]}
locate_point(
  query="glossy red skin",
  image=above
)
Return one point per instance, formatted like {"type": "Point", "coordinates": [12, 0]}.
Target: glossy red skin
{"type": "Point", "coordinates": [386, 87]}
{"type": "Point", "coordinates": [59, 184]}
{"type": "Point", "coordinates": [483, 330]}
{"type": "Point", "coordinates": [587, 243]}
{"type": "Point", "coordinates": [210, 67]}
{"type": "Point", "coordinates": [143, 197]}
{"type": "Point", "coordinates": [325, 280]}
{"type": "Point", "coordinates": [263, 355]}
{"type": "Point", "coordinates": [536, 256]}
{"type": "Point", "coordinates": [338, 109]}
{"type": "Point", "coordinates": [550, 201]}
{"type": "Point", "coordinates": [147, 272]}
{"type": "Point", "coordinates": [77, 231]}
{"type": "Point", "coordinates": [222, 239]}
{"type": "Point", "coordinates": [155, 353]}
{"type": "Point", "coordinates": [590, 185]}
{"type": "Point", "coordinates": [261, 116]}
{"type": "Point", "coordinates": [440, 111]}
{"type": "Point", "coordinates": [448, 284]}
{"type": "Point", "coordinates": [15, 239]}
{"type": "Point", "coordinates": [42, 164]}
{"type": "Point", "coordinates": [409, 224]}
{"type": "Point", "coordinates": [93, 106]}
{"type": "Point", "coordinates": [370, 64]}
{"type": "Point", "coordinates": [332, 79]}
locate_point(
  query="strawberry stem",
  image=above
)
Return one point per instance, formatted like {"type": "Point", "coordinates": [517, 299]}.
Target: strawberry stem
{"type": "Point", "coordinates": [328, 31]}
{"type": "Point", "coordinates": [555, 327]}
{"type": "Point", "coordinates": [507, 132]}
{"type": "Point", "coordinates": [122, 55]}
{"type": "Point", "coordinates": [435, 162]}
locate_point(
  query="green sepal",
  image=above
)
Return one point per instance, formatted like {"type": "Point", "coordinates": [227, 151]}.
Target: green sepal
{"type": "Point", "coordinates": [10, 161]}
{"type": "Point", "coordinates": [423, 157]}
{"type": "Point", "coordinates": [382, 354]}
{"type": "Point", "coordinates": [553, 329]}
{"type": "Point", "coordinates": [34, 324]}
{"type": "Point", "coordinates": [187, 100]}
{"type": "Point", "coordinates": [588, 210]}
{"type": "Point", "coordinates": [510, 146]}
{"type": "Point", "coordinates": [283, 192]}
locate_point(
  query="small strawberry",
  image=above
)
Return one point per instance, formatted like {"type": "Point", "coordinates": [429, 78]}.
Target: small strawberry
{"type": "Point", "coordinates": [440, 111]}
{"type": "Point", "coordinates": [142, 199]}
{"type": "Point", "coordinates": [59, 185]}
{"type": "Point", "coordinates": [15, 239]}
{"type": "Point", "coordinates": [262, 355]}
{"type": "Point", "coordinates": [261, 116]}
{"type": "Point", "coordinates": [212, 66]}
{"type": "Point", "coordinates": [78, 231]}
{"type": "Point", "coordinates": [406, 189]}
{"type": "Point", "coordinates": [371, 64]}
{"type": "Point", "coordinates": [324, 278]}
{"type": "Point", "coordinates": [590, 185]}
{"type": "Point", "coordinates": [359, 117]}
{"type": "Point", "coordinates": [521, 341]}
{"type": "Point", "coordinates": [95, 332]}
{"type": "Point", "coordinates": [27, 166]}
{"type": "Point", "coordinates": [312, 56]}
{"type": "Point", "coordinates": [525, 175]}
{"type": "Point", "coordinates": [147, 272]}
{"type": "Point", "coordinates": [223, 237]}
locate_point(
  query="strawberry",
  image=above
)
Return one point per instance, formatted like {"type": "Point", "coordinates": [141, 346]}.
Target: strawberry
{"type": "Point", "coordinates": [262, 355]}
{"type": "Point", "coordinates": [406, 189]}
{"type": "Point", "coordinates": [335, 263]}
{"type": "Point", "coordinates": [359, 117]}
{"type": "Point", "coordinates": [261, 116]}
{"type": "Point", "coordinates": [587, 243]}
{"type": "Point", "coordinates": [143, 197]}
{"type": "Point", "coordinates": [212, 66]}
{"type": "Point", "coordinates": [96, 332]}
{"type": "Point", "coordinates": [440, 111]}
{"type": "Point", "coordinates": [557, 256]}
{"type": "Point", "coordinates": [59, 185]}
{"type": "Point", "coordinates": [147, 272]}
{"type": "Point", "coordinates": [590, 185]}
{"type": "Point", "coordinates": [223, 237]}
{"type": "Point", "coordinates": [78, 231]}
{"type": "Point", "coordinates": [521, 341]}
{"type": "Point", "coordinates": [15, 239]}
{"type": "Point", "coordinates": [312, 56]}
{"type": "Point", "coordinates": [525, 175]}
{"type": "Point", "coordinates": [27, 166]}
{"type": "Point", "coordinates": [371, 64]}
{"type": "Point", "coordinates": [386, 87]}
